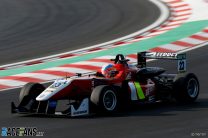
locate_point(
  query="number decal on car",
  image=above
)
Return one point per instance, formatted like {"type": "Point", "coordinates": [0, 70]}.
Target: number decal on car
{"type": "Point", "coordinates": [182, 65]}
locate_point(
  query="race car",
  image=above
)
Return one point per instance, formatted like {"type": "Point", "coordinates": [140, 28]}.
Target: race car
{"type": "Point", "coordinates": [109, 89]}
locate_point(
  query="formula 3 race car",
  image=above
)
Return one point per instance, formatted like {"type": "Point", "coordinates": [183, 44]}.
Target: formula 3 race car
{"type": "Point", "coordinates": [124, 83]}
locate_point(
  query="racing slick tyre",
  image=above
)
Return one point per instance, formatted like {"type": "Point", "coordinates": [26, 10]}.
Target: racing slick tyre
{"type": "Point", "coordinates": [28, 94]}
{"type": "Point", "coordinates": [186, 88]}
{"type": "Point", "coordinates": [105, 98]}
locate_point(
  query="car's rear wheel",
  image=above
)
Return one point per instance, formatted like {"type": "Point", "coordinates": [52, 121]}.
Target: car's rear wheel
{"type": "Point", "coordinates": [28, 94]}
{"type": "Point", "coordinates": [105, 98]}
{"type": "Point", "coordinates": [186, 88]}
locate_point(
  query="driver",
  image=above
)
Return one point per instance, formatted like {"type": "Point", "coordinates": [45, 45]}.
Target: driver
{"type": "Point", "coordinates": [109, 71]}
{"type": "Point", "coordinates": [115, 71]}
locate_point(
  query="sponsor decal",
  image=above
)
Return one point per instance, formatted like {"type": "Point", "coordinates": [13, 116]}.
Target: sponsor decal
{"type": "Point", "coordinates": [83, 109]}
{"type": "Point", "coordinates": [128, 77]}
{"type": "Point", "coordinates": [182, 65]}
{"type": "Point", "coordinates": [80, 112]}
{"type": "Point", "coordinates": [161, 55]}
{"type": "Point", "coordinates": [20, 131]}
{"type": "Point", "coordinates": [181, 62]}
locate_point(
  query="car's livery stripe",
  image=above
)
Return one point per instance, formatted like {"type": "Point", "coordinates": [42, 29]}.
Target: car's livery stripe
{"type": "Point", "coordinates": [133, 91]}
{"type": "Point", "coordinates": [140, 92]}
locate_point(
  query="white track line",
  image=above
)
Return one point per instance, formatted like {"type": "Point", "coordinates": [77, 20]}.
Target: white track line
{"type": "Point", "coordinates": [172, 47]}
{"type": "Point", "coordinates": [41, 76]}
{"type": "Point", "coordinates": [11, 83]}
{"type": "Point", "coordinates": [92, 63]}
{"type": "Point", "coordinates": [203, 34]}
{"type": "Point", "coordinates": [192, 40]}
{"type": "Point", "coordinates": [69, 69]}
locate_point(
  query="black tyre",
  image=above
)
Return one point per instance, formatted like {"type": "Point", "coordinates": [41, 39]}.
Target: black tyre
{"type": "Point", "coordinates": [105, 98]}
{"type": "Point", "coordinates": [28, 94]}
{"type": "Point", "coordinates": [186, 88]}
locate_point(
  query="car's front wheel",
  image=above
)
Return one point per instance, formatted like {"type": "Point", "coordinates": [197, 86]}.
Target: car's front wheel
{"type": "Point", "coordinates": [28, 94]}
{"type": "Point", "coordinates": [105, 98]}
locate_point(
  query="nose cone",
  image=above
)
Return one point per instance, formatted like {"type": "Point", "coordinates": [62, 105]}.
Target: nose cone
{"type": "Point", "coordinates": [56, 87]}
{"type": "Point", "coordinates": [45, 95]}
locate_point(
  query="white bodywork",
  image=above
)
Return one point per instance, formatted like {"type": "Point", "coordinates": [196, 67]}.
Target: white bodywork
{"type": "Point", "coordinates": [54, 88]}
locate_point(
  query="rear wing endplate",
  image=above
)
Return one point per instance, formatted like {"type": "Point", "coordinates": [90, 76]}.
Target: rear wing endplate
{"type": "Point", "coordinates": [181, 58]}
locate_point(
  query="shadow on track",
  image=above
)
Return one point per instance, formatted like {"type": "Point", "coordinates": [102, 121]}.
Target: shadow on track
{"type": "Point", "coordinates": [156, 109]}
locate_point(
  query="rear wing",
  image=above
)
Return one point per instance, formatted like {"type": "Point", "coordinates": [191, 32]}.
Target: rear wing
{"type": "Point", "coordinates": [143, 56]}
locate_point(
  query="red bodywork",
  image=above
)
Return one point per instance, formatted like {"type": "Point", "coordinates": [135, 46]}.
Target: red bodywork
{"type": "Point", "coordinates": [82, 87]}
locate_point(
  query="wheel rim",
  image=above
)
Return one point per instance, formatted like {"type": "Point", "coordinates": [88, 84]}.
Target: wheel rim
{"type": "Point", "coordinates": [192, 88]}
{"type": "Point", "coordinates": [109, 100]}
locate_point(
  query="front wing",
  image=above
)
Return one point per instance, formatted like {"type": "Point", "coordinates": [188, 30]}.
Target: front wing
{"type": "Point", "coordinates": [49, 108]}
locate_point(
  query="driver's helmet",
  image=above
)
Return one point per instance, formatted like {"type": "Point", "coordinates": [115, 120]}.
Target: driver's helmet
{"type": "Point", "coordinates": [108, 70]}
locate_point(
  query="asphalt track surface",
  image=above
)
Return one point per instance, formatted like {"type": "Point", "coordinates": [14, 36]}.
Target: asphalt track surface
{"type": "Point", "coordinates": [36, 28]}
{"type": "Point", "coordinates": [158, 120]}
